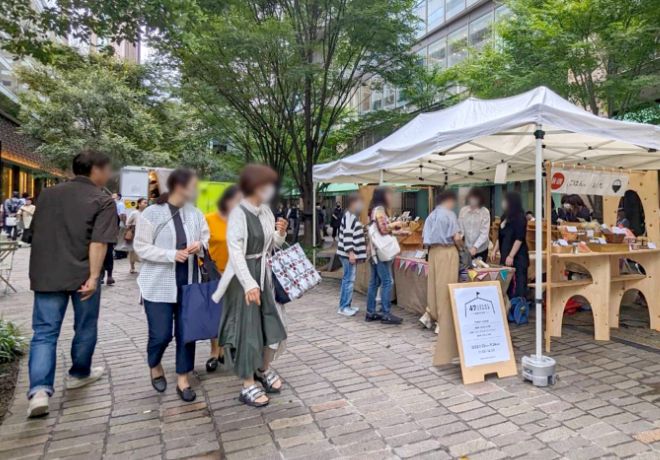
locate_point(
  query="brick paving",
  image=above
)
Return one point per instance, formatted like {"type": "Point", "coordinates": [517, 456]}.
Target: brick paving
{"type": "Point", "coordinates": [354, 390]}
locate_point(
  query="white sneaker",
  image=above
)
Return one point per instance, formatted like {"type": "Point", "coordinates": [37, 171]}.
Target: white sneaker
{"type": "Point", "coordinates": [437, 328]}
{"type": "Point", "coordinates": [38, 404]}
{"type": "Point", "coordinates": [347, 311]}
{"type": "Point", "coordinates": [76, 382]}
{"type": "Point", "coordinates": [426, 320]}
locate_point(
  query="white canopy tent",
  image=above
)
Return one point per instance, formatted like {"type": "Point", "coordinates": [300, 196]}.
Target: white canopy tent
{"type": "Point", "coordinates": [466, 142]}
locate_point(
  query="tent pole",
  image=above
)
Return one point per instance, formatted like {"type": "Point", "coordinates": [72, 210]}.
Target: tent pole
{"type": "Point", "coordinates": [538, 269]}
{"type": "Point", "coordinates": [539, 369]}
{"type": "Point", "coordinates": [314, 223]}
{"type": "Point", "coordinates": [382, 177]}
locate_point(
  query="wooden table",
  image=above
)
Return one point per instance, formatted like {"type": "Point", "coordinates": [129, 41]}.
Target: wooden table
{"type": "Point", "coordinates": [604, 290]}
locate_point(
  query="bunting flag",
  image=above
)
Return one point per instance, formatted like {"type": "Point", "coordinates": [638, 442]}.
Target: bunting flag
{"type": "Point", "coordinates": [472, 274]}
{"type": "Point", "coordinates": [401, 263]}
{"type": "Point", "coordinates": [420, 267]}
{"type": "Point", "coordinates": [482, 276]}
{"type": "Point", "coordinates": [426, 270]}
{"type": "Point", "coordinates": [408, 264]}
{"type": "Point", "coordinates": [493, 276]}
{"type": "Point", "coordinates": [503, 274]}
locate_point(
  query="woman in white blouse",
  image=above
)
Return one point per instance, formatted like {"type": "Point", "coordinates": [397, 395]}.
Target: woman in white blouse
{"type": "Point", "coordinates": [252, 326]}
{"type": "Point", "coordinates": [167, 236]}
{"type": "Point", "coordinates": [474, 221]}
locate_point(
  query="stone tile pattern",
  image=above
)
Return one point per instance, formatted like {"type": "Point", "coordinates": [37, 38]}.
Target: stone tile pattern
{"type": "Point", "coordinates": [353, 390]}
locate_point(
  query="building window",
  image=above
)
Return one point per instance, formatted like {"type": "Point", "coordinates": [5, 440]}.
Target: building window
{"type": "Point", "coordinates": [457, 44]}
{"type": "Point", "coordinates": [502, 12]}
{"type": "Point", "coordinates": [376, 99]}
{"type": "Point", "coordinates": [438, 54]}
{"type": "Point", "coordinates": [471, 2]}
{"type": "Point", "coordinates": [481, 30]}
{"type": "Point", "coordinates": [422, 56]}
{"type": "Point", "coordinates": [436, 12]}
{"type": "Point", "coordinates": [420, 12]}
{"type": "Point", "coordinates": [389, 96]}
{"type": "Point", "coordinates": [365, 98]}
{"type": "Point", "coordinates": [454, 7]}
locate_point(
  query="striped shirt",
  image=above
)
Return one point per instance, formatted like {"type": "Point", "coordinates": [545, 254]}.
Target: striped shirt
{"type": "Point", "coordinates": [351, 237]}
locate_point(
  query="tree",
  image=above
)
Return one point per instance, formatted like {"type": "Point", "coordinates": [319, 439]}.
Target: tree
{"type": "Point", "coordinates": [91, 102]}
{"type": "Point", "coordinates": [598, 53]}
{"type": "Point", "coordinates": [288, 68]}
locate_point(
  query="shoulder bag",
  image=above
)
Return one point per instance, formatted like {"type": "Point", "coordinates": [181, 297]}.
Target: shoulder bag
{"type": "Point", "coordinates": [386, 246]}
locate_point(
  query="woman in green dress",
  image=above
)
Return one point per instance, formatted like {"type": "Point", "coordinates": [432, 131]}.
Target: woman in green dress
{"type": "Point", "coordinates": [252, 327]}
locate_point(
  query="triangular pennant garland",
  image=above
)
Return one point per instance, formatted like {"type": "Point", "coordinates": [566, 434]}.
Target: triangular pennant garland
{"type": "Point", "coordinates": [503, 274]}
{"type": "Point", "coordinates": [472, 274]}
{"type": "Point", "coordinates": [493, 276]}
{"type": "Point", "coordinates": [482, 276]}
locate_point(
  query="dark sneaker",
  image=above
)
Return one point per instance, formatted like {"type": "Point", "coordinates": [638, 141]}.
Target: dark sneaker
{"type": "Point", "coordinates": [373, 317]}
{"type": "Point", "coordinates": [391, 319]}
{"type": "Point", "coordinates": [110, 281]}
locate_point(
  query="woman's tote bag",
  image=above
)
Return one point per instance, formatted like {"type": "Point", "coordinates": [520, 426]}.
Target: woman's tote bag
{"type": "Point", "coordinates": [294, 273]}
{"type": "Point", "coordinates": [386, 246]}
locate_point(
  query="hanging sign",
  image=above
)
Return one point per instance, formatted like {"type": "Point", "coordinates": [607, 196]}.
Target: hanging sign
{"type": "Point", "coordinates": [482, 331]}
{"type": "Point", "coordinates": [588, 182]}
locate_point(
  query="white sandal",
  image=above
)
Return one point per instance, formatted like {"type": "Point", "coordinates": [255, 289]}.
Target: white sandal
{"type": "Point", "coordinates": [250, 395]}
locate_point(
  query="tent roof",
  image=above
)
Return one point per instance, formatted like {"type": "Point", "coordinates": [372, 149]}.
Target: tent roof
{"type": "Point", "coordinates": [464, 143]}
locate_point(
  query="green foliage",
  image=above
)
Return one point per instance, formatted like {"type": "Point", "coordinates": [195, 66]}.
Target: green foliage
{"type": "Point", "coordinates": [95, 102]}
{"type": "Point", "coordinates": [12, 342]}
{"type": "Point", "coordinates": [599, 53]}
{"type": "Point", "coordinates": [649, 114]}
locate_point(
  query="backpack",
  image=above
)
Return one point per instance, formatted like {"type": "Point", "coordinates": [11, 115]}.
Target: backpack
{"type": "Point", "coordinates": [519, 311]}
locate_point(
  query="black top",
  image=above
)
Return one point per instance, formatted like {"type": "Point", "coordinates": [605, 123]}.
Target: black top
{"type": "Point", "coordinates": [181, 243]}
{"type": "Point", "coordinates": [514, 230]}
{"type": "Point", "coordinates": [68, 217]}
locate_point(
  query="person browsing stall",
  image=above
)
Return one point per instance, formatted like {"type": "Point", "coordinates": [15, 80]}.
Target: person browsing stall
{"type": "Point", "coordinates": [381, 270]}
{"type": "Point", "coordinates": [474, 222]}
{"type": "Point", "coordinates": [441, 235]}
{"type": "Point", "coordinates": [167, 237]}
{"type": "Point", "coordinates": [511, 247]}
{"type": "Point", "coordinates": [351, 250]}
{"type": "Point", "coordinates": [219, 252]}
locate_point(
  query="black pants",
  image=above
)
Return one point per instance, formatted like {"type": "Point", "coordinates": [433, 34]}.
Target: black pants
{"type": "Point", "coordinates": [27, 236]}
{"type": "Point", "coordinates": [160, 318]}
{"type": "Point", "coordinates": [335, 232]}
{"type": "Point", "coordinates": [12, 232]}
{"type": "Point", "coordinates": [109, 261]}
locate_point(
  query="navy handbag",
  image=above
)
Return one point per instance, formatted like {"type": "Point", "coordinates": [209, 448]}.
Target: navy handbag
{"type": "Point", "coordinates": [200, 315]}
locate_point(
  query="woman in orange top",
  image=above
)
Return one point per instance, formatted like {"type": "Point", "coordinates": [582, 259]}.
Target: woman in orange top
{"type": "Point", "coordinates": [217, 222]}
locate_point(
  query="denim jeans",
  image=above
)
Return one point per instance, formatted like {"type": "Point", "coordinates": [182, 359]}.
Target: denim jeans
{"type": "Point", "coordinates": [381, 275]}
{"type": "Point", "coordinates": [47, 316]}
{"type": "Point", "coordinates": [347, 282]}
{"type": "Point", "coordinates": [160, 318]}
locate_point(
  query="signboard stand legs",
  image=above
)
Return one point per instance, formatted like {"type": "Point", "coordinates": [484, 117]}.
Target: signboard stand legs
{"type": "Point", "coordinates": [539, 369]}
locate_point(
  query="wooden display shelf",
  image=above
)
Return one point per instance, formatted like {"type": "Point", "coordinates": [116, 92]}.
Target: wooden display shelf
{"type": "Point", "coordinates": [629, 277]}
{"type": "Point", "coordinates": [566, 283]}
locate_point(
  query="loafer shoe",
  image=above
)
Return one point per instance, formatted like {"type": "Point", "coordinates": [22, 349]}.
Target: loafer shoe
{"type": "Point", "coordinates": [159, 383]}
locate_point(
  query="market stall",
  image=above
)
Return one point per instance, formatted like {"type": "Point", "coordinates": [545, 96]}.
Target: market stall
{"type": "Point", "coordinates": [495, 141]}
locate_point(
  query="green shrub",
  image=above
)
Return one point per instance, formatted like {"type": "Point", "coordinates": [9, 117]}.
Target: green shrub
{"type": "Point", "coordinates": [12, 342]}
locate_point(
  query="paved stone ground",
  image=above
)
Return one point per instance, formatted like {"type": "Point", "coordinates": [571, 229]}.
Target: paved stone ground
{"type": "Point", "coordinates": [353, 390]}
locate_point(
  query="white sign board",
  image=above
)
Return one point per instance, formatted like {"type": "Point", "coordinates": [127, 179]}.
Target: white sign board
{"type": "Point", "coordinates": [482, 331]}
{"type": "Point", "coordinates": [482, 328]}
{"type": "Point", "coordinates": [588, 182]}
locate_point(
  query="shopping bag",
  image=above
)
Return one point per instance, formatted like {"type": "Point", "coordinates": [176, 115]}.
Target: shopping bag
{"type": "Point", "coordinates": [200, 315]}
{"type": "Point", "coordinates": [293, 271]}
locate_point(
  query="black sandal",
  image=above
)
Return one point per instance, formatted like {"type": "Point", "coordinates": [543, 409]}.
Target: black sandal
{"type": "Point", "coordinates": [267, 379]}
{"type": "Point", "coordinates": [250, 395]}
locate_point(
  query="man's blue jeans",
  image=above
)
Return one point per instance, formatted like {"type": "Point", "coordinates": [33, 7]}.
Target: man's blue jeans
{"type": "Point", "coordinates": [47, 316]}
{"type": "Point", "coordinates": [347, 282]}
{"type": "Point", "coordinates": [381, 275]}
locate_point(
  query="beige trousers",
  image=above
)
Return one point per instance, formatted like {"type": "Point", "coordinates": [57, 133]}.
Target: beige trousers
{"type": "Point", "coordinates": [443, 270]}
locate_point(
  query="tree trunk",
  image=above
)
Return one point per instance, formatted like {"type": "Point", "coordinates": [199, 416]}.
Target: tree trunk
{"type": "Point", "coordinates": [308, 208]}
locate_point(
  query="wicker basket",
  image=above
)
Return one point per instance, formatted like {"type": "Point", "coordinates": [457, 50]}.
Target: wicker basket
{"type": "Point", "coordinates": [614, 238]}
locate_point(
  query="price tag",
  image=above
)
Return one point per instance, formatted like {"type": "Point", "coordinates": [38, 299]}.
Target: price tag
{"type": "Point", "coordinates": [562, 242]}
{"type": "Point", "coordinates": [571, 228]}
{"type": "Point", "coordinates": [651, 245]}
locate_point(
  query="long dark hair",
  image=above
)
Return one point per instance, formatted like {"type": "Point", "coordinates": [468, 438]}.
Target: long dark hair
{"type": "Point", "coordinates": [180, 177]}
{"type": "Point", "coordinates": [228, 195]}
{"type": "Point", "coordinates": [514, 207]}
{"type": "Point", "coordinates": [379, 198]}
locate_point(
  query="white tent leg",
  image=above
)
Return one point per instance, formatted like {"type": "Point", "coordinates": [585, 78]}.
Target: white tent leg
{"type": "Point", "coordinates": [539, 369]}
{"type": "Point", "coordinates": [314, 223]}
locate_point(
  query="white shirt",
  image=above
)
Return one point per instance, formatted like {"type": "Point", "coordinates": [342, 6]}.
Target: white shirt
{"type": "Point", "coordinates": [475, 226]}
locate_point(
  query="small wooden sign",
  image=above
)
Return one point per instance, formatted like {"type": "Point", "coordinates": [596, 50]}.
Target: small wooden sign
{"type": "Point", "coordinates": [482, 331]}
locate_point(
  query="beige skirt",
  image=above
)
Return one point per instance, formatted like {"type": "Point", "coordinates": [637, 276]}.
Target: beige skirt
{"type": "Point", "coordinates": [443, 270]}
